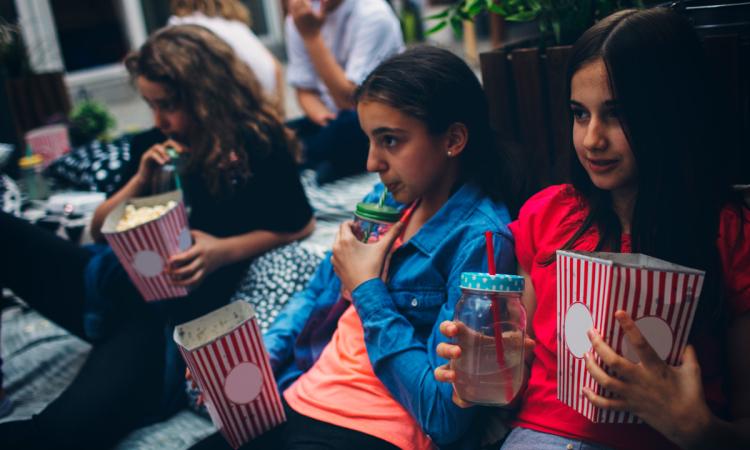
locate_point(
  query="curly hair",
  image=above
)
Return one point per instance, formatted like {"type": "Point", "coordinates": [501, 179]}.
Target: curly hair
{"type": "Point", "coordinates": [228, 9]}
{"type": "Point", "coordinates": [222, 97]}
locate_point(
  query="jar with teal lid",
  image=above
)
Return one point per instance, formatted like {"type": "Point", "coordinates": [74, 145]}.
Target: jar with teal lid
{"type": "Point", "coordinates": [371, 221]}
{"type": "Point", "coordinates": [491, 320]}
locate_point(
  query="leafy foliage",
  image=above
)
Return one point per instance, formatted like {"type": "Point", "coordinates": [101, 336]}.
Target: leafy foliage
{"type": "Point", "coordinates": [560, 21]}
{"type": "Point", "coordinates": [90, 120]}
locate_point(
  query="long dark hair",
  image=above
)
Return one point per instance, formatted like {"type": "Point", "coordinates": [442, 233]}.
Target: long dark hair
{"type": "Point", "coordinates": [657, 74]}
{"type": "Point", "coordinates": [437, 88]}
{"type": "Point", "coordinates": [221, 96]}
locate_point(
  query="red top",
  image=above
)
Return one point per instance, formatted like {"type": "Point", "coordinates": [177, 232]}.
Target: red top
{"type": "Point", "coordinates": [546, 222]}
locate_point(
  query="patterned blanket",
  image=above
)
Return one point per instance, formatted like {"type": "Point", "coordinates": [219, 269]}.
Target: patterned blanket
{"type": "Point", "coordinates": [40, 359]}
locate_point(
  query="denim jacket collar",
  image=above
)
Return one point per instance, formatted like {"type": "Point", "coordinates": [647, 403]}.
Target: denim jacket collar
{"type": "Point", "coordinates": [451, 215]}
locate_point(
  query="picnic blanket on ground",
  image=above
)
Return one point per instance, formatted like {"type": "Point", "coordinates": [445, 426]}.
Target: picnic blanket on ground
{"type": "Point", "coordinates": [41, 359]}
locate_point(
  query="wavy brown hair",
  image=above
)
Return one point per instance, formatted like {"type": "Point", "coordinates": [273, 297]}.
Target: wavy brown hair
{"type": "Point", "coordinates": [221, 96]}
{"type": "Point", "coordinates": [228, 9]}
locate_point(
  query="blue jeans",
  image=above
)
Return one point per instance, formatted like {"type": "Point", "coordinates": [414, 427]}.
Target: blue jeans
{"type": "Point", "coordinates": [526, 439]}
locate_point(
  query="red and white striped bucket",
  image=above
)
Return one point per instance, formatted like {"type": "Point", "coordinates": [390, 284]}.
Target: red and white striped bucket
{"type": "Point", "coordinates": [144, 251]}
{"type": "Point", "coordinates": [225, 354]}
{"type": "Point", "coordinates": [50, 142]}
{"type": "Point", "coordinates": [661, 297]}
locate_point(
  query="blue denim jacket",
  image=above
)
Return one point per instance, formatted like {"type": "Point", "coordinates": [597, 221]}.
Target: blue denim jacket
{"type": "Point", "coordinates": [401, 317]}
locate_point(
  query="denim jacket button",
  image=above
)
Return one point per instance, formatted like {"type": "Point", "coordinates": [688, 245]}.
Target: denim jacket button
{"type": "Point", "coordinates": [414, 302]}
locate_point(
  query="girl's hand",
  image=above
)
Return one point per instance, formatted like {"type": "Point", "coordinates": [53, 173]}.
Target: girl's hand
{"type": "Point", "coordinates": [307, 21]}
{"type": "Point", "coordinates": [190, 267]}
{"type": "Point", "coordinates": [153, 158]}
{"type": "Point", "coordinates": [355, 262]}
{"type": "Point", "coordinates": [451, 352]}
{"type": "Point", "coordinates": [670, 399]}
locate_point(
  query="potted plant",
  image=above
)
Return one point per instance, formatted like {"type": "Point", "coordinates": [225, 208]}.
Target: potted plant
{"type": "Point", "coordinates": [90, 120]}
{"type": "Point", "coordinates": [560, 22]}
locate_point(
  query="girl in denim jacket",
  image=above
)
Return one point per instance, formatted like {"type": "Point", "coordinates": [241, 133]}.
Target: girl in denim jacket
{"type": "Point", "coordinates": [357, 373]}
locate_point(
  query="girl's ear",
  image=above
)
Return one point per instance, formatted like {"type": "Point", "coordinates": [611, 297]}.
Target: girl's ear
{"type": "Point", "coordinates": [456, 137]}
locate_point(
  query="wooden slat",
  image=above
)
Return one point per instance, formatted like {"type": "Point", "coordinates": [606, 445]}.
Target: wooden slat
{"type": "Point", "coordinates": [556, 63]}
{"type": "Point", "coordinates": [36, 99]}
{"type": "Point", "coordinates": [533, 117]}
{"type": "Point", "coordinates": [500, 92]}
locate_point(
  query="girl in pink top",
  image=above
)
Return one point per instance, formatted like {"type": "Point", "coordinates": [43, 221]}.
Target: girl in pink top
{"type": "Point", "coordinates": [646, 178]}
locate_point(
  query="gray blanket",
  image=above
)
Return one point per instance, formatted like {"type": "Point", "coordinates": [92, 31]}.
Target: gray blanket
{"type": "Point", "coordinates": [40, 359]}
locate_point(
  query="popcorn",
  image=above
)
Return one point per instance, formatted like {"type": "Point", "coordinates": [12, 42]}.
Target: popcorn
{"type": "Point", "coordinates": [134, 217]}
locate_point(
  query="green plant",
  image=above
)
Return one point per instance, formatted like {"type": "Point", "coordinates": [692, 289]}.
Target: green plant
{"type": "Point", "coordinates": [560, 21]}
{"type": "Point", "coordinates": [90, 120]}
{"type": "Point", "coordinates": [14, 60]}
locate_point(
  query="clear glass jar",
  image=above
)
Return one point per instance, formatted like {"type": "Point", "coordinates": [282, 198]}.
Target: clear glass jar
{"type": "Point", "coordinates": [31, 181]}
{"type": "Point", "coordinates": [492, 329]}
{"type": "Point", "coordinates": [371, 221]}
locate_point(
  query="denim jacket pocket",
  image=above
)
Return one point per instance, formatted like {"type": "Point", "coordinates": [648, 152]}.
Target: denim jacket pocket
{"type": "Point", "coordinates": [420, 307]}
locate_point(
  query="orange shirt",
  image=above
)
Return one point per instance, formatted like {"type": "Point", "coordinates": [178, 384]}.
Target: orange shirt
{"type": "Point", "coordinates": [342, 389]}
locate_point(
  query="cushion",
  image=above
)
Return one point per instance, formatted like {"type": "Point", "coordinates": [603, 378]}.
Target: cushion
{"type": "Point", "coordinates": [10, 196]}
{"type": "Point", "coordinates": [97, 166]}
{"type": "Point", "coordinates": [271, 280]}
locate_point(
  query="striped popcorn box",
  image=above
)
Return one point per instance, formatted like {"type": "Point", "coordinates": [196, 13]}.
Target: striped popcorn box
{"type": "Point", "coordinates": [661, 297]}
{"type": "Point", "coordinates": [50, 142]}
{"type": "Point", "coordinates": [225, 354]}
{"type": "Point", "coordinates": [144, 250]}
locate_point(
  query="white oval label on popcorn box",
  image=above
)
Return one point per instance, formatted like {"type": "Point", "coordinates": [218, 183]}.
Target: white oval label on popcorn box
{"type": "Point", "coordinates": [226, 356]}
{"type": "Point", "coordinates": [144, 233]}
{"type": "Point", "coordinates": [660, 296]}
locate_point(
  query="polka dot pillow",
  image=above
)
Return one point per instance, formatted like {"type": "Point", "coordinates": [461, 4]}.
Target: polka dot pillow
{"type": "Point", "coordinates": [98, 166]}
{"type": "Point", "coordinates": [271, 280]}
{"type": "Point", "coordinates": [10, 196]}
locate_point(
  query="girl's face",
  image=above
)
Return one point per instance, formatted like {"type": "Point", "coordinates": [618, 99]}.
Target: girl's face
{"type": "Point", "coordinates": [410, 161]}
{"type": "Point", "coordinates": [598, 137]}
{"type": "Point", "coordinates": [170, 119]}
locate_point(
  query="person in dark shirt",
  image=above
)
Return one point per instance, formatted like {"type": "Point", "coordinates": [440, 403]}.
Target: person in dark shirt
{"type": "Point", "coordinates": [244, 195]}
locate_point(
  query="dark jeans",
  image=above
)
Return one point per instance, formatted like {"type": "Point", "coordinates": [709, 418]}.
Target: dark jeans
{"type": "Point", "coordinates": [335, 150]}
{"type": "Point", "coordinates": [302, 433]}
{"type": "Point", "coordinates": [120, 383]}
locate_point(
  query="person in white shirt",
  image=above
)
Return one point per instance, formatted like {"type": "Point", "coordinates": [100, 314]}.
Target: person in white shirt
{"type": "Point", "coordinates": [230, 20]}
{"type": "Point", "coordinates": [332, 45]}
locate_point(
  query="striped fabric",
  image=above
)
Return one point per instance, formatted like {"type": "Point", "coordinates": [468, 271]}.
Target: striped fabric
{"type": "Point", "coordinates": [591, 287]}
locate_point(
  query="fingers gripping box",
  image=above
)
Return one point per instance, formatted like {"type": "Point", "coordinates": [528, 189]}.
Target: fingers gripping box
{"type": "Point", "coordinates": [661, 297]}
{"type": "Point", "coordinates": [144, 249]}
{"type": "Point", "coordinates": [225, 354]}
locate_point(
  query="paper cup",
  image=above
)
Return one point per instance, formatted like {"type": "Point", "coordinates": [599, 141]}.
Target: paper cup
{"type": "Point", "coordinates": [225, 354]}
{"type": "Point", "coordinates": [144, 251]}
{"type": "Point", "coordinates": [51, 142]}
{"type": "Point", "coordinates": [661, 297]}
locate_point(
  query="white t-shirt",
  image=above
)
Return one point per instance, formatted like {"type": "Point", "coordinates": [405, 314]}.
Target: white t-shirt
{"type": "Point", "coordinates": [359, 33]}
{"type": "Point", "coordinates": [243, 41]}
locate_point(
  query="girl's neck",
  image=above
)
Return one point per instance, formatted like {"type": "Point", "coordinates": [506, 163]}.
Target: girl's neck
{"type": "Point", "coordinates": [430, 204]}
{"type": "Point", "coordinates": [623, 203]}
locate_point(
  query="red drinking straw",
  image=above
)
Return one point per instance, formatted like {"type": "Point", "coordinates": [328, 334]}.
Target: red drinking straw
{"type": "Point", "coordinates": [499, 350]}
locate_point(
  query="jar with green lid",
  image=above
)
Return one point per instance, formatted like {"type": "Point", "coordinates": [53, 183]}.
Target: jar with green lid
{"type": "Point", "coordinates": [492, 328]}
{"type": "Point", "coordinates": [371, 221]}
{"type": "Point", "coordinates": [32, 183]}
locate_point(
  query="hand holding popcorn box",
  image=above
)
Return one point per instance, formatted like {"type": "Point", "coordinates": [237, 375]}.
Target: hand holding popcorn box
{"type": "Point", "coordinates": [661, 297]}
{"type": "Point", "coordinates": [227, 359]}
{"type": "Point", "coordinates": [144, 233]}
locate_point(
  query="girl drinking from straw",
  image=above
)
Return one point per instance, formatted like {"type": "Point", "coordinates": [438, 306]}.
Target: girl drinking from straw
{"type": "Point", "coordinates": [357, 373]}
{"type": "Point", "coordinates": [644, 180]}
{"type": "Point", "coordinates": [245, 198]}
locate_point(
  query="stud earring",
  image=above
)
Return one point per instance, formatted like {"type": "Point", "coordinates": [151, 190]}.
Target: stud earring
{"type": "Point", "coordinates": [450, 153]}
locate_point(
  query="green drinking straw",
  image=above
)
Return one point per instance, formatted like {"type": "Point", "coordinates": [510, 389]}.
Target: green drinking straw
{"type": "Point", "coordinates": [174, 156]}
{"type": "Point", "coordinates": [381, 201]}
